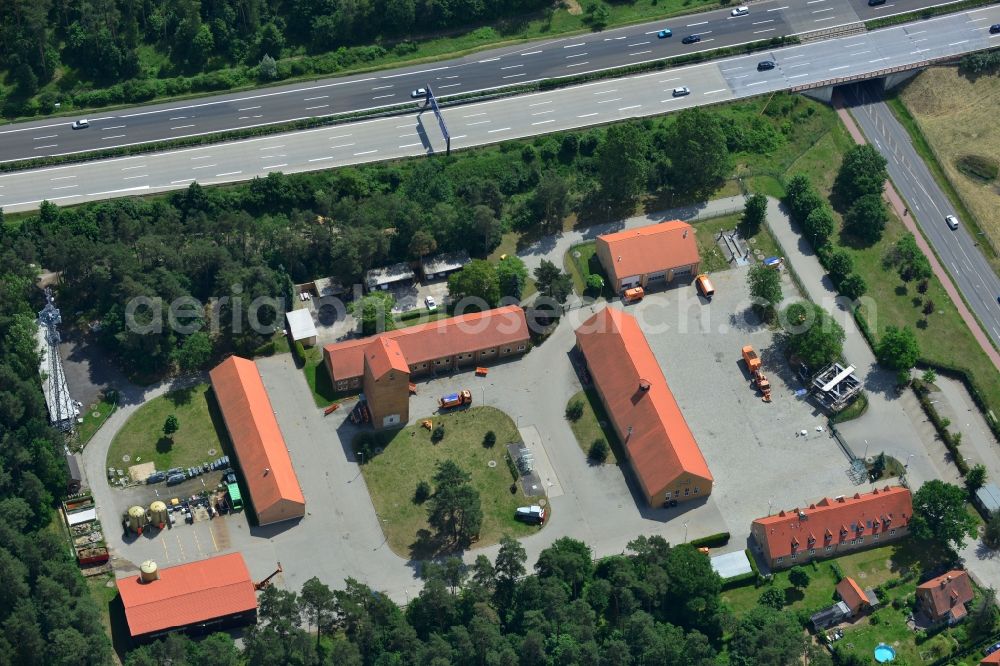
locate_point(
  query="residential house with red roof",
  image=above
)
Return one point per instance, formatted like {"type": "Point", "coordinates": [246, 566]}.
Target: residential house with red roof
{"type": "Point", "coordinates": [660, 446]}
{"type": "Point", "coordinates": [944, 599]}
{"type": "Point", "coordinates": [658, 253]}
{"type": "Point", "coordinates": [202, 596]}
{"type": "Point", "coordinates": [831, 527]}
{"type": "Point", "coordinates": [257, 441]}
{"type": "Point", "coordinates": [857, 599]}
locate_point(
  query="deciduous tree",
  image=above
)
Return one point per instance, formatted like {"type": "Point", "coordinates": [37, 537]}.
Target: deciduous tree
{"type": "Point", "coordinates": [939, 514]}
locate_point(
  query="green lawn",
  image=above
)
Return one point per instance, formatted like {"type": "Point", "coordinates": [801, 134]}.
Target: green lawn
{"type": "Point", "coordinates": [587, 428]}
{"type": "Point", "coordinates": [712, 259]}
{"type": "Point", "coordinates": [408, 456]}
{"type": "Point", "coordinates": [198, 440]}
{"type": "Point", "coordinates": [94, 417]}
{"type": "Point", "coordinates": [581, 262]}
{"type": "Point", "coordinates": [818, 593]}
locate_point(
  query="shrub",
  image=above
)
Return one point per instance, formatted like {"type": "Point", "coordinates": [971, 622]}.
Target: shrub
{"type": "Point", "coordinates": [438, 434]}
{"type": "Point", "coordinates": [712, 541]}
{"type": "Point", "coordinates": [772, 597]}
{"type": "Point", "coordinates": [489, 439]}
{"type": "Point", "coordinates": [595, 283]}
{"type": "Point", "coordinates": [574, 410]}
{"type": "Point", "coordinates": [598, 450]}
{"type": "Point", "coordinates": [837, 571]}
{"type": "Point", "coordinates": [422, 492]}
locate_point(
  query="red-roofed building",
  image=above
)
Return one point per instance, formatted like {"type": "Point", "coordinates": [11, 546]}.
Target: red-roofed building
{"type": "Point", "coordinates": [943, 599]}
{"type": "Point", "coordinates": [656, 253]}
{"type": "Point", "coordinates": [386, 383]}
{"type": "Point", "coordinates": [473, 339]}
{"type": "Point", "coordinates": [991, 658]}
{"type": "Point", "coordinates": [831, 527]}
{"type": "Point", "coordinates": [257, 441]}
{"type": "Point", "coordinates": [663, 452]}
{"type": "Point", "coordinates": [851, 594]}
{"type": "Point", "coordinates": [207, 595]}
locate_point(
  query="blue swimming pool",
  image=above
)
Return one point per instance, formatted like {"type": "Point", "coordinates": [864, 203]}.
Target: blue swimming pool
{"type": "Point", "coordinates": [884, 653]}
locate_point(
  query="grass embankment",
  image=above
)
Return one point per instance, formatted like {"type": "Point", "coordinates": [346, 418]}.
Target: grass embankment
{"type": "Point", "coordinates": [94, 417]}
{"type": "Point", "coordinates": [408, 456]}
{"type": "Point", "coordinates": [581, 262]}
{"type": "Point", "coordinates": [588, 428]}
{"type": "Point", "coordinates": [196, 441]}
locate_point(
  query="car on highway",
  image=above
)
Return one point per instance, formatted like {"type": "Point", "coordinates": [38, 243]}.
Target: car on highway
{"type": "Point", "coordinates": [83, 123]}
{"type": "Point", "coordinates": [418, 93]}
{"type": "Point", "coordinates": [742, 10]}
{"type": "Point", "coordinates": [872, 3]}
{"type": "Point", "coordinates": [431, 304]}
{"type": "Point", "coordinates": [680, 92]}
{"type": "Point", "coordinates": [951, 221]}
{"type": "Point", "coordinates": [666, 32]}
{"type": "Point", "coordinates": [765, 65]}
{"type": "Point", "coordinates": [995, 28]}
{"type": "Point", "coordinates": [691, 39]}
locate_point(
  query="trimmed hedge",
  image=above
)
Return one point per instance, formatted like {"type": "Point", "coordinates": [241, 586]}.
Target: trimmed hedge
{"type": "Point", "coordinates": [838, 573]}
{"type": "Point", "coordinates": [711, 541]}
{"type": "Point", "coordinates": [939, 425]}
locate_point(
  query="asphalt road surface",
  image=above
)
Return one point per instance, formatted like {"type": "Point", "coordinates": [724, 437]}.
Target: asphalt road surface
{"type": "Point", "coordinates": [488, 69]}
{"type": "Point", "coordinates": [958, 249]}
{"type": "Point", "coordinates": [502, 119]}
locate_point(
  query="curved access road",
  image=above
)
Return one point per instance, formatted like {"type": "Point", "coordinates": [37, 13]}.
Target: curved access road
{"type": "Point", "coordinates": [495, 68]}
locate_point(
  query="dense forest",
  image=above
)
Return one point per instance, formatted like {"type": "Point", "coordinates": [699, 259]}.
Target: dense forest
{"type": "Point", "coordinates": [656, 604]}
{"type": "Point", "coordinates": [47, 616]}
{"type": "Point", "coordinates": [132, 50]}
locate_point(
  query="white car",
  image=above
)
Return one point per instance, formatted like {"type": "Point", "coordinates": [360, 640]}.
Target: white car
{"type": "Point", "coordinates": [418, 93]}
{"type": "Point", "coordinates": [83, 123]}
{"type": "Point", "coordinates": [680, 92]}
{"type": "Point", "coordinates": [431, 304]}
{"type": "Point", "coordinates": [740, 11]}
{"type": "Point", "coordinates": [951, 221]}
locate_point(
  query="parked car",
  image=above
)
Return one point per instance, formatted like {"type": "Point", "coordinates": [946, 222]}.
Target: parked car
{"type": "Point", "coordinates": [691, 39]}
{"type": "Point", "coordinates": [174, 479]}
{"type": "Point", "coordinates": [156, 477]}
{"type": "Point", "coordinates": [765, 65]}
{"type": "Point", "coordinates": [742, 10]}
{"type": "Point", "coordinates": [995, 28]}
{"type": "Point", "coordinates": [418, 93]}
{"type": "Point", "coordinates": [531, 514]}
{"type": "Point", "coordinates": [174, 470]}
{"type": "Point", "coordinates": [430, 303]}
{"type": "Point", "coordinates": [680, 92]}
{"type": "Point", "coordinates": [230, 478]}
{"type": "Point", "coordinates": [666, 32]}
{"type": "Point", "coordinates": [951, 221]}
{"type": "Point", "coordinates": [83, 123]}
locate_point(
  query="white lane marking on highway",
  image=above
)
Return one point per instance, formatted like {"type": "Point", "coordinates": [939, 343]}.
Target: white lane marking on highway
{"type": "Point", "coordinates": [763, 22]}
{"type": "Point", "coordinates": [513, 76]}
{"type": "Point", "coordinates": [801, 55]}
{"type": "Point", "coordinates": [113, 127]}
{"type": "Point", "coordinates": [712, 92]}
{"type": "Point", "coordinates": [730, 69]}
{"type": "Point", "coordinates": [652, 32]}
{"type": "Point", "coordinates": [248, 117]}
{"type": "Point", "coordinates": [460, 136]}
{"type": "Point", "coordinates": [137, 188]}
{"type": "Point", "coordinates": [343, 145]}
{"type": "Point", "coordinates": [540, 103]}
{"type": "Point", "coordinates": [851, 46]}
{"type": "Point", "coordinates": [65, 187]}
{"type": "Point", "coordinates": [672, 99]}
{"type": "Point", "coordinates": [964, 41]}
{"type": "Point", "coordinates": [857, 53]}
{"type": "Point", "coordinates": [407, 136]}
{"type": "Point", "coordinates": [756, 83]}
{"type": "Point", "coordinates": [587, 115]}
{"type": "Point", "coordinates": [246, 108]}
{"type": "Point", "coordinates": [820, 11]}
{"type": "Point", "coordinates": [777, 9]}
{"type": "Point", "coordinates": [878, 60]}
{"type": "Point", "coordinates": [490, 60]}
{"type": "Point", "coordinates": [281, 145]}
{"type": "Point", "coordinates": [320, 159]}
{"type": "Point", "coordinates": [531, 53]}
{"type": "Point", "coordinates": [605, 101]}
{"type": "Point", "coordinates": [813, 2]}
{"type": "Point", "coordinates": [396, 76]}
{"type": "Point", "coordinates": [917, 41]}
{"type": "Point", "coordinates": [676, 78]}
{"type": "Point", "coordinates": [741, 76]}
{"type": "Point", "coordinates": [228, 173]}
{"type": "Point", "coordinates": [478, 122]}
{"type": "Point", "coordinates": [639, 43]}
{"type": "Point", "coordinates": [25, 203]}
{"type": "Point", "coordinates": [274, 166]}
{"type": "Point", "coordinates": [205, 157]}
{"type": "Point", "coordinates": [473, 115]}
{"type": "Point", "coordinates": [51, 145]}
{"type": "Point", "coordinates": [145, 175]}
{"type": "Point", "coordinates": [605, 92]}
{"type": "Point", "coordinates": [828, 18]}
{"type": "Point", "coordinates": [448, 78]}
{"type": "Point", "coordinates": [712, 39]}
{"type": "Point", "coordinates": [312, 99]}
{"type": "Point", "coordinates": [347, 136]}
{"type": "Point", "coordinates": [996, 35]}
{"type": "Point", "coordinates": [919, 51]}
{"type": "Point", "coordinates": [511, 67]}
{"type": "Point", "coordinates": [797, 76]}
{"type": "Point", "coordinates": [543, 122]}
{"type": "Point", "coordinates": [366, 152]}
{"type": "Point", "coordinates": [834, 69]}
{"type": "Point", "coordinates": [116, 136]}
{"type": "Point", "coordinates": [408, 126]}
{"type": "Point", "coordinates": [182, 180]}
{"type": "Point", "coordinates": [573, 46]}
{"type": "Point", "coordinates": [626, 108]}
{"type": "Point", "coordinates": [384, 96]}
{"type": "Point", "coordinates": [799, 64]}
{"type": "Point", "coordinates": [411, 145]}
{"type": "Point", "coordinates": [207, 166]}
{"type": "Point", "coordinates": [691, 25]}
{"type": "Point", "coordinates": [450, 85]}
{"type": "Point", "coordinates": [178, 118]}
{"type": "Point", "coordinates": [181, 127]}
{"type": "Point", "coordinates": [757, 32]}
{"type": "Point", "coordinates": [383, 87]}
{"type": "Point", "coordinates": [62, 178]}
{"type": "Point", "coordinates": [47, 136]}
{"type": "Point", "coordinates": [502, 129]}
{"type": "Point", "coordinates": [919, 32]}
{"type": "Point", "coordinates": [578, 64]}
{"type": "Point", "coordinates": [576, 55]}
{"type": "Point", "coordinates": [321, 106]}
{"type": "Point", "coordinates": [544, 113]}
{"type": "Point", "coordinates": [985, 18]}
{"type": "Point", "coordinates": [640, 53]}
{"type": "Point", "coordinates": [271, 157]}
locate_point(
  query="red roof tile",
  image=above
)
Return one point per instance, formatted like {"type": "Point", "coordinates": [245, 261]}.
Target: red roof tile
{"type": "Point", "coordinates": [992, 658]}
{"type": "Point", "coordinates": [949, 591]}
{"type": "Point", "coordinates": [661, 445]}
{"type": "Point", "coordinates": [188, 594]}
{"type": "Point", "coordinates": [437, 339]}
{"type": "Point", "coordinates": [383, 355]}
{"type": "Point", "coordinates": [831, 521]}
{"type": "Point", "coordinates": [852, 594]}
{"type": "Point", "coordinates": [260, 448]}
{"type": "Point", "coordinates": [650, 249]}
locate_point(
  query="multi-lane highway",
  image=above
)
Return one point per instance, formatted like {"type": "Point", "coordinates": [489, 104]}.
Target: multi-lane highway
{"type": "Point", "coordinates": [489, 69]}
{"type": "Point", "coordinates": [506, 118]}
{"type": "Point", "coordinates": [957, 248]}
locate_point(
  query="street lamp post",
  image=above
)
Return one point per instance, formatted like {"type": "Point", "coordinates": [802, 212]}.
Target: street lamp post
{"type": "Point", "coordinates": [908, 458]}
{"type": "Point", "coordinates": [685, 532]}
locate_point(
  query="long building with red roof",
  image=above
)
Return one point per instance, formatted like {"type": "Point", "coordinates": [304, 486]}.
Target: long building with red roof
{"type": "Point", "coordinates": [660, 446]}
{"type": "Point", "coordinates": [257, 441]}
{"type": "Point", "coordinates": [473, 339]}
{"type": "Point", "coordinates": [831, 527]}
{"type": "Point", "coordinates": [206, 595]}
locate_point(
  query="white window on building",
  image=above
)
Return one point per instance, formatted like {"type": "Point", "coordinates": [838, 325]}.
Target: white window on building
{"type": "Point", "coordinates": [829, 548]}
{"type": "Point", "coordinates": [521, 347]}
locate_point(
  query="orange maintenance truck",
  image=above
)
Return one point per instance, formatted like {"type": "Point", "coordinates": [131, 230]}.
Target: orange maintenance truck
{"type": "Point", "coordinates": [757, 376]}
{"type": "Point", "coordinates": [633, 295]}
{"type": "Point", "coordinates": [455, 399]}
